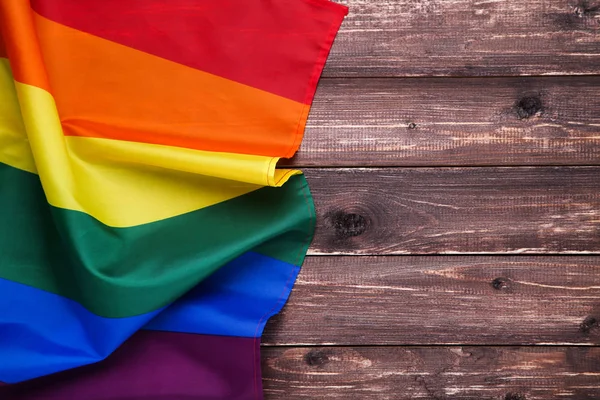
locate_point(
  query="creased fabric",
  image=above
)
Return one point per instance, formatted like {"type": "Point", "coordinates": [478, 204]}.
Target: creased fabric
{"type": "Point", "coordinates": [147, 234]}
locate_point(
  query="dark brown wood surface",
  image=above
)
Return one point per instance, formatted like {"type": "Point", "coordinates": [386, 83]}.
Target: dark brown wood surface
{"type": "Point", "coordinates": [442, 300]}
{"type": "Point", "coordinates": [454, 122]}
{"type": "Point", "coordinates": [453, 151]}
{"type": "Point", "coordinates": [467, 38]}
{"type": "Point", "coordinates": [456, 210]}
{"type": "Point", "coordinates": [458, 372]}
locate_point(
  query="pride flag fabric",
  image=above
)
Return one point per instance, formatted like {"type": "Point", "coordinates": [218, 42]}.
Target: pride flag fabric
{"type": "Point", "coordinates": [146, 232]}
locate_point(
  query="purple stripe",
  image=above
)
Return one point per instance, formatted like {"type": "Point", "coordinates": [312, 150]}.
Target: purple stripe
{"type": "Point", "coordinates": [154, 365]}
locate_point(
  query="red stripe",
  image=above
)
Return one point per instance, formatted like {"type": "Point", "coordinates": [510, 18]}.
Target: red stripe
{"type": "Point", "coordinates": [277, 46]}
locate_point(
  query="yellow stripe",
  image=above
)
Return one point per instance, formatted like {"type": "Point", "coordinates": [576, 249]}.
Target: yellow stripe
{"type": "Point", "coordinates": [14, 146]}
{"type": "Point", "coordinates": [119, 183]}
{"type": "Point", "coordinates": [257, 170]}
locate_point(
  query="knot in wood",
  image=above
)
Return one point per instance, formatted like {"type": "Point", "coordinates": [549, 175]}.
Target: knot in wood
{"type": "Point", "coordinates": [348, 225]}
{"type": "Point", "coordinates": [584, 9]}
{"type": "Point", "coordinates": [501, 283]}
{"type": "Point", "coordinates": [514, 396]}
{"type": "Point", "coordinates": [412, 125]}
{"type": "Point", "coordinates": [316, 358]}
{"type": "Point", "coordinates": [588, 324]}
{"type": "Point", "coordinates": [528, 106]}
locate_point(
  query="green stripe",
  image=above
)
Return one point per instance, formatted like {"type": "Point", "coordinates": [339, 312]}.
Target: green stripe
{"type": "Point", "coordinates": [121, 272]}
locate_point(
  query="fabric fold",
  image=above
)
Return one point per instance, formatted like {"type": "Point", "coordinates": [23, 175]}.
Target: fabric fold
{"type": "Point", "coordinates": [147, 234]}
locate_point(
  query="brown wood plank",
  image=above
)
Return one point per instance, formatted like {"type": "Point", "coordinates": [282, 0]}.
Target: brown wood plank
{"type": "Point", "coordinates": [467, 38]}
{"type": "Point", "coordinates": [456, 210]}
{"type": "Point", "coordinates": [475, 373]}
{"type": "Point", "coordinates": [442, 300]}
{"type": "Point", "coordinates": [453, 122]}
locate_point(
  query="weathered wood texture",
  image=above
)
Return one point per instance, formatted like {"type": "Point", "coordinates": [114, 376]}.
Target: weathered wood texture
{"type": "Point", "coordinates": [437, 121]}
{"type": "Point", "coordinates": [473, 123]}
{"type": "Point", "coordinates": [442, 373]}
{"type": "Point", "coordinates": [467, 38]}
{"type": "Point", "coordinates": [456, 210]}
{"type": "Point", "coordinates": [442, 300]}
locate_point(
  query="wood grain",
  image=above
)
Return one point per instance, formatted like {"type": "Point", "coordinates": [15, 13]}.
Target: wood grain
{"type": "Point", "coordinates": [442, 300]}
{"type": "Point", "coordinates": [475, 373]}
{"type": "Point", "coordinates": [370, 313]}
{"type": "Point", "coordinates": [457, 210]}
{"type": "Point", "coordinates": [467, 38]}
{"type": "Point", "coordinates": [453, 122]}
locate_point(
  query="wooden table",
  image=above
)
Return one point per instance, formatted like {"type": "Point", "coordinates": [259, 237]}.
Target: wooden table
{"type": "Point", "coordinates": [453, 151]}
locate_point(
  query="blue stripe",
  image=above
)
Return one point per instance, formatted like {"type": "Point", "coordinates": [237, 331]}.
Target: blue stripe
{"type": "Point", "coordinates": [237, 300]}
{"type": "Point", "coordinates": [42, 333]}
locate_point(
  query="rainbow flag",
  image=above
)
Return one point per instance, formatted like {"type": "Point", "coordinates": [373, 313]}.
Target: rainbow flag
{"type": "Point", "coordinates": [146, 233]}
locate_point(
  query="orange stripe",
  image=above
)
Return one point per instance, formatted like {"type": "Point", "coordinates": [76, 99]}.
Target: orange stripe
{"type": "Point", "coordinates": [21, 43]}
{"type": "Point", "coordinates": [103, 89]}
{"type": "Point", "coordinates": [277, 46]}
